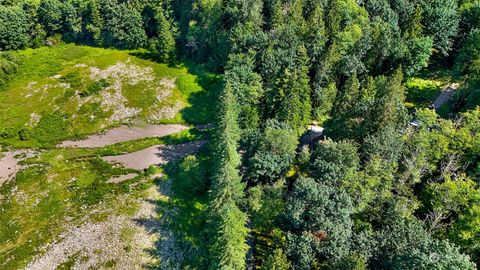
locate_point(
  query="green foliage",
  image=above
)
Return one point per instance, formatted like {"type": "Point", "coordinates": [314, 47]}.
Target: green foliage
{"type": "Point", "coordinates": [8, 67]}
{"type": "Point", "coordinates": [247, 87]}
{"type": "Point", "coordinates": [165, 43]}
{"type": "Point", "coordinates": [95, 88]}
{"type": "Point", "coordinates": [51, 129]}
{"type": "Point", "coordinates": [13, 28]}
{"type": "Point", "coordinates": [92, 23]}
{"type": "Point", "coordinates": [355, 203]}
{"type": "Point", "coordinates": [318, 221]}
{"type": "Point", "coordinates": [192, 176]}
{"type": "Point", "coordinates": [276, 261]}
{"type": "Point", "coordinates": [362, 111]}
{"type": "Point", "coordinates": [335, 163]}
{"type": "Point", "coordinates": [274, 153]}
{"type": "Point", "coordinates": [122, 26]}
{"type": "Point", "coordinates": [404, 244]}
{"type": "Point", "coordinates": [468, 60]}
{"type": "Point", "coordinates": [421, 92]}
{"type": "Point", "coordinates": [50, 16]}
{"type": "Point", "coordinates": [266, 205]}
{"type": "Point", "coordinates": [226, 222]}
{"type": "Point", "coordinates": [441, 20]}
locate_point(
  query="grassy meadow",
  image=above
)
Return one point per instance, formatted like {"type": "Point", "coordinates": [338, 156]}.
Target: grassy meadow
{"type": "Point", "coordinates": [70, 91]}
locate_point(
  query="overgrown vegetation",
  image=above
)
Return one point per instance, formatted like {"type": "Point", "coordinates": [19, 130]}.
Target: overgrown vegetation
{"type": "Point", "coordinates": [390, 184]}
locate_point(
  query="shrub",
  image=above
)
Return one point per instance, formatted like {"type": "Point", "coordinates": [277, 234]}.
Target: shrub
{"type": "Point", "coordinates": [51, 129]}
{"type": "Point", "coordinates": [24, 134]}
{"type": "Point", "coordinates": [95, 88]}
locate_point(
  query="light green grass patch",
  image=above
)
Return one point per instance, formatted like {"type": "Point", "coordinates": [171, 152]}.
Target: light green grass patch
{"type": "Point", "coordinates": [422, 92]}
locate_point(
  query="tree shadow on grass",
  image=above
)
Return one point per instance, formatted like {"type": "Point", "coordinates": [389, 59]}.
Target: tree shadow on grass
{"type": "Point", "coordinates": [203, 103]}
{"type": "Point", "coordinates": [181, 224]}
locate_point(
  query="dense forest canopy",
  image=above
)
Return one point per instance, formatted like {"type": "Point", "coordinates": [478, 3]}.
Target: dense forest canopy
{"type": "Point", "coordinates": [378, 192]}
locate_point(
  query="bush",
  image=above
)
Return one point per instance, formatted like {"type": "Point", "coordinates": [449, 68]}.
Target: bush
{"type": "Point", "coordinates": [51, 129]}
{"type": "Point", "coordinates": [24, 134]}
{"type": "Point", "coordinates": [95, 88]}
{"type": "Point", "coordinates": [8, 66]}
{"type": "Point", "coordinates": [7, 133]}
{"type": "Point", "coordinates": [72, 78]}
{"type": "Point", "coordinates": [275, 152]}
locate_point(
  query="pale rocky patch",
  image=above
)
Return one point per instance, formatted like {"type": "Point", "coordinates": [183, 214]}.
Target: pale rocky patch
{"type": "Point", "coordinates": [166, 113]}
{"type": "Point", "coordinates": [113, 100]}
{"type": "Point", "coordinates": [34, 119]}
{"type": "Point", "coordinates": [132, 74]}
{"type": "Point", "coordinates": [122, 178]}
{"type": "Point", "coordinates": [93, 244]}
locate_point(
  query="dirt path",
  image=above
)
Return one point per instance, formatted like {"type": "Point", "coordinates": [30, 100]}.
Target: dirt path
{"type": "Point", "coordinates": [155, 155]}
{"type": "Point", "coordinates": [124, 134]}
{"type": "Point", "coordinates": [445, 96]}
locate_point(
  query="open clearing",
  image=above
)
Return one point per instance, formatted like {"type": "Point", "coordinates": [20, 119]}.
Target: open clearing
{"type": "Point", "coordinates": [9, 164]}
{"type": "Point", "coordinates": [95, 128]}
{"type": "Point", "coordinates": [121, 242]}
{"type": "Point", "coordinates": [68, 92]}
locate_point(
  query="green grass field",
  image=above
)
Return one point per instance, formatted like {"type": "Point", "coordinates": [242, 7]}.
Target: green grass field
{"type": "Point", "coordinates": [70, 91]}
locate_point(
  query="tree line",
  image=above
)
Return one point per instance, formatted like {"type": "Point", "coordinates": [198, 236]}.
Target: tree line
{"type": "Point", "coordinates": [104, 23]}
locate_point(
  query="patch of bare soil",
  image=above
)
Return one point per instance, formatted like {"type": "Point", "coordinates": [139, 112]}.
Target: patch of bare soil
{"type": "Point", "coordinates": [124, 134]}
{"type": "Point", "coordinates": [121, 178]}
{"type": "Point", "coordinates": [9, 164]}
{"type": "Point", "coordinates": [446, 95]}
{"type": "Point", "coordinates": [155, 155]}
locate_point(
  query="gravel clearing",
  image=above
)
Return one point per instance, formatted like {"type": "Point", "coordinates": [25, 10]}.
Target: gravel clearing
{"type": "Point", "coordinates": [155, 155]}
{"type": "Point", "coordinates": [93, 244]}
{"type": "Point", "coordinates": [124, 134]}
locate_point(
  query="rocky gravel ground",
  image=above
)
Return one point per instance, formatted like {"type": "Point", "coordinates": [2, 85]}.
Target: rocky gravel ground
{"type": "Point", "coordinates": [10, 163]}
{"type": "Point", "coordinates": [122, 242]}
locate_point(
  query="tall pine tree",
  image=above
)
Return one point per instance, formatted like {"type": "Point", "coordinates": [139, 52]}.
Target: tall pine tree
{"type": "Point", "coordinates": [226, 222]}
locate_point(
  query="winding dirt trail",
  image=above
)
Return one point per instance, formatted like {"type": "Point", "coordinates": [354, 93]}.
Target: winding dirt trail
{"type": "Point", "coordinates": [124, 134]}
